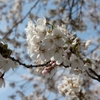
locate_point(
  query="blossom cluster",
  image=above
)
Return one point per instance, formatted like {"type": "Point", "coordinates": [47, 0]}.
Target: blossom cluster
{"type": "Point", "coordinates": [71, 87]}
{"type": "Point", "coordinates": [55, 43]}
{"type": "Point", "coordinates": [59, 47]}
{"type": "Point", "coordinates": [5, 63]}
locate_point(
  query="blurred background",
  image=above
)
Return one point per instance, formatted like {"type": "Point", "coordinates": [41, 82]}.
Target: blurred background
{"type": "Point", "coordinates": [80, 16]}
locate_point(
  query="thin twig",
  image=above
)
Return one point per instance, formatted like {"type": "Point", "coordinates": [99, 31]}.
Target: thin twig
{"type": "Point", "coordinates": [91, 75]}
{"type": "Point", "coordinates": [95, 77]}
{"type": "Point", "coordinates": [21, 20]}
{"type": "Point", "coordinates": [92, 71]}
{"type": "Point", "coordinates": [28, 66]}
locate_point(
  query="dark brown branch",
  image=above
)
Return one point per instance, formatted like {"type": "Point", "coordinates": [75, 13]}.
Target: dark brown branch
{"type": "Point", "coordinates": [92, 71]}
{"type": "Point", "coordinates": [95, 77]}
{"type": "Point", "coordinates": [91, 76]}
{"type": "Point", "coordinates": [28, 66]}
{"type": "Point", "coordinates": [66, 66]}
{"type": "Point", "coordinates": [70, 9]}
{"type": "Point", "coordinates": [21, 19]}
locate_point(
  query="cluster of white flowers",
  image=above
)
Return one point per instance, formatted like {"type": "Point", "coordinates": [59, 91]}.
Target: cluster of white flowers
{"type": "Point", "coordinates": [44, 43]}
{"type": "Point", "coordinates": [5, 65]}
{"type": "Point", "coordinates": [71, 87]}
{"type": "Point", "coordinates": [5, 62]}
{"type": "Point", "coordinates": [55, 43]}
{"type": "Point", "coordinates": [61, 48]}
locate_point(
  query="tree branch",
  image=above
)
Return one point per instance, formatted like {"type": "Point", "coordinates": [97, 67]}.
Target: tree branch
{"type": "Point", "coordinates": [28, 66]}
{"type": "Point", "coordinates": [95, 77]}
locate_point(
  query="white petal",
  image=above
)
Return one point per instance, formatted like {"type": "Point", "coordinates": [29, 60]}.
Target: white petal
{"type": "Point", "coordinates": [88, 42]}
{"type": "Point", "coordinates": [41, 21]}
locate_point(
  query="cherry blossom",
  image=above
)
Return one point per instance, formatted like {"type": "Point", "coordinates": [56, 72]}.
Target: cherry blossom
{"type": "Point", "coordinates": [71, 86]}
{"type": "Point", "coordinates": [58, 44]}
{"type": "Point", "coordinates": [6, 64]}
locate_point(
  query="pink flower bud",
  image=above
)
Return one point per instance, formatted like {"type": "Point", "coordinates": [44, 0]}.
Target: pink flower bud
{"type": "Point", "coordinates": [44, 71]}
{"type": "Point", "coordinates": [51, 62]}
{"type": "Point", "coordinates": [54, 64]}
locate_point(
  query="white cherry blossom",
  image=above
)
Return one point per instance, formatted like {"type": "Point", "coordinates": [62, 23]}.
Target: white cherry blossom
{"type": "Point", "coordinates": [6, 64]}
{"type": "Point", "coordinates": [56, 44]}
{"type": "Point", "coordinates": [58, 37]}
{"type": "Point", "coordinates": [66, 62]}
{"type": "Point", "coordinates": [87, 44]}
{"type": "Point", "coordinates": [45, 54]}
{"type": "Point", "coordinates": [48, 42]}
{"type": "Point", "coordinates": [71, 85]}
{"type": "Point", "coordinates": [41, 21]}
